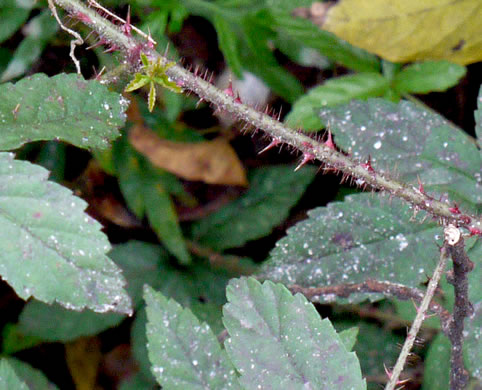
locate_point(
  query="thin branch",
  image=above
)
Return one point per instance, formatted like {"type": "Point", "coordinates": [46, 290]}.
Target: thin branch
{"type": "Point", "coordinates": [114, 16]}
{"type": "Point", "coordinates": [74, 42]}
{"type": "Point", "coordinates": [417, 323]}
{"type": "Point", "coordinates": [373, 286]}
{"type": "Point", "coordinates": [462, 308]}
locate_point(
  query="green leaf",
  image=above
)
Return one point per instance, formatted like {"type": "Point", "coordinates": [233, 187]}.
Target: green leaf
{"type": "Point", "coordinates": [348, 337]}
{"type": "Point", "coordinates": [362, 238]}
{"type": "Point", "coordinates": [473, 325]}
{"type": "Point", "coordinates": [478, 117]}
{"type": "Point", "coordinates": [49, 248]}
{"type": "Point", "coordinates": [38, 32]}
{"type": "Point", "coordinates": [374, 356]}
{"type": "Point", "coordinates": [304, 112]}
{"type": "Point", "coordinates": [271, 353]}
{"type": "Point", "coordinates": [184, 352]}
{"type": "Point", "coordinates": [13, 14]}
{"type": "Point", "coordinates": [54, 323]}
{"type": "Point", "coordinates": [416, 142]}
{"type": "Point", "coordinates": [140, 263]}
{"type": "Point", "coordinates": [33, 378]}
{"type": "Point", "coordinates": [309, 35]}
{"type": "Point", "coordinates": [65, 107]}
{"type": "Point", "coordinates": [138, 82]}
{"type": "Point", "coordinates": [9, 378]}
{"type": "Point", "coordinates": [143, 188]}
{"type": "Point", "coordinates": [436, 374]}
{"type": "Point", "coordinates": [13, 340]}
{"type": "Point", "coordinates": [138, 382]}
{"type": "Point", "coordinates": [472, 346]}
{"type": "Point", "coordinates": [152, 96]}
{"type": "Point", "coordinates": [428, 76]}
{"type": "Point", "coordinates": [273, 191]}
{"type": "Point", "coordinates": [227, 41]}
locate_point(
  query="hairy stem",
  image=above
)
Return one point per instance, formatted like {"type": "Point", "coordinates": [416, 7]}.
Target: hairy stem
{"type": "Point", "coordinates": [279, 133]}
{"type": "Point", "coordinates": [417, 323]}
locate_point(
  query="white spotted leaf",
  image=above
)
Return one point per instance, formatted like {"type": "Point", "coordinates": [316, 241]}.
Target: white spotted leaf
{"type": "Point", "coordinates": [50, 248]}
{"type": "Point", "coordinates": [279, 341]}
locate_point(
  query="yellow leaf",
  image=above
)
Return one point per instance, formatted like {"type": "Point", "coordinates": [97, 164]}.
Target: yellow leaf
{"type": "Point", "coordinates": [407, 30]}
{"type": "Point", "coordinates": [83, 358]}
{"type": "Point", "coordinates": [213, 162]}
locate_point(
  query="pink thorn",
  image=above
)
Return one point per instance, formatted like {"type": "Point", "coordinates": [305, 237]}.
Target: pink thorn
{"type": "Point", "coordinates": [329, 142]}
{"type": "Point", "coordinates": [111, 49]}
{"type": "Point", "coordinates": [455, 209]}
{"type": "Point", "coordinates": [229, 91]}
{"type": "Point", "coordinates": [307, 157]}
{"type": "Point", "coordinates": [82, 17]}
{"type": "Point", "coordinates": [368, 165]}
{"type": "Point", "coordinates": [420, 186]}
{"type": "Point", "coordinates": [127, 27]}
{"type": "Point", "coordinates": [474, 231]}
{"type": "Point", "coordinates": [271, 145]}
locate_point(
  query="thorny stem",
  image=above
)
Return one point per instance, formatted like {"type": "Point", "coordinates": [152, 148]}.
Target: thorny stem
{"type": "Point", "coordinates": [462, 308]}
{"type": "Point", "coordinates": [375, 286]}
{"type": "Point", "coordinates": [310, 147]}
{"type": "Point", "coordinates": [417, 323]}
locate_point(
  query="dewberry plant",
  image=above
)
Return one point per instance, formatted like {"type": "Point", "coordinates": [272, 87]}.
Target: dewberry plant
{"type": "Point", "coordinates": [414, 205]}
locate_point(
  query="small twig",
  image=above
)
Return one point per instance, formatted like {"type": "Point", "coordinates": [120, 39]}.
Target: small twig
{"type": "Point", "coordinates": [462, 308]}
{"type": "Point", "coordinates": [114, 16]}
{"type": "Point", "coordinates": [374, 286]}
{"type": "Point", "coordinates": [422, 310]}
{"type": "Point", "coordinates": [228, 262]}
{"type": "Point", "coordinates": [74, 42]}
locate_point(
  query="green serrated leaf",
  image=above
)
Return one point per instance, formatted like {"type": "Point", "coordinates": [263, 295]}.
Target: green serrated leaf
{"type": "Point", "coordinates": [227, 40]}
{"type": "Point", "coordinates": [273, 191]}
{"type": "Point", "coordinates": [13, 14]}
{"type": "Point", "coordinates": [38, 32]}
{"type": "Point", "coordinates": [49, 248]}
{"type": "Point", "coordinates": [436, 374]}
{"type": "Point", "coordinates": [362, 238]}
{"type": "Point", "coordinates": [428, 76]}
{"type": "Point", "coordinates": [414, 141]}
{"type": "Point", "coordinates": [138, 82]}
{"type": "Point", "coordinates": [271, 353]}
{"type": "Point", "coordinates": [142, 187]}
{"type": "Point", "coordinates": [184, 352]}
{"type": "Point", "coordinates": [304, 112]}
{"type": "Point", "coordinates": [140, 263]}
{"type": "Point", "coordinates": [33, 378]}
{"type": "Point", "coordinates": [9, 378]}
{"type": "Point", "coordinates": [66, 107]}
{"type": "Point", "coordinates": [348, 337]}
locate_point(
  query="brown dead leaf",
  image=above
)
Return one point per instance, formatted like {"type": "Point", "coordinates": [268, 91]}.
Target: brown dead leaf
{"type": "Point", "coordinates": [213, 162]}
